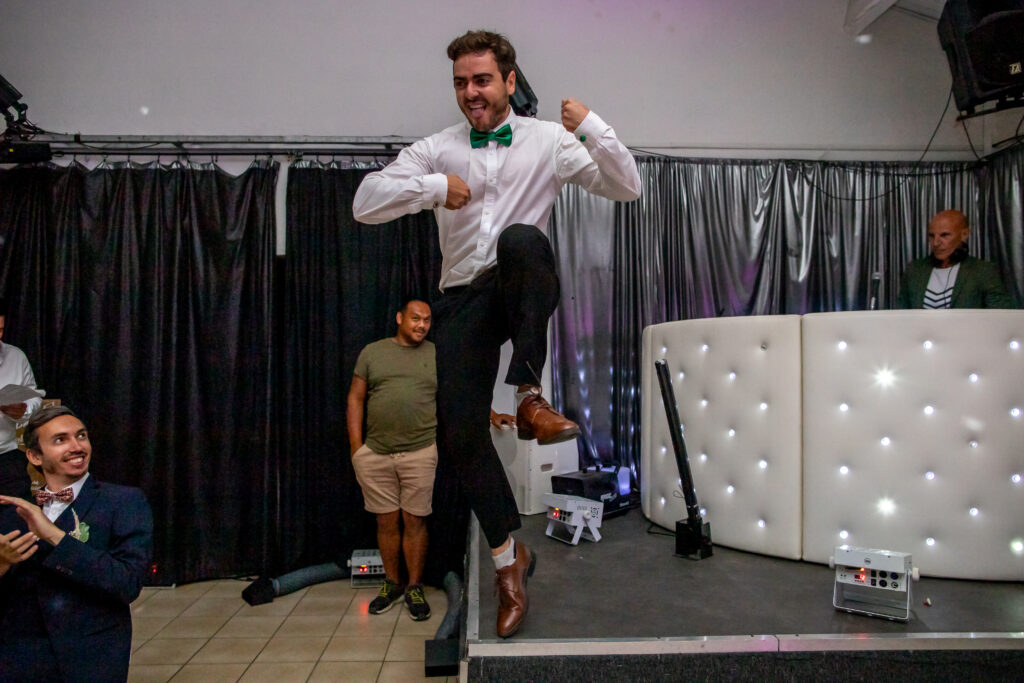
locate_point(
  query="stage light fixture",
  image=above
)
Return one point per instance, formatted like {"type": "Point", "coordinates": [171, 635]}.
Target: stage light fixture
{"type": "Point", "coordinates": [10, 99]}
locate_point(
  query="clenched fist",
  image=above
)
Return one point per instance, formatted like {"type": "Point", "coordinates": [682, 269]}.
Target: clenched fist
{"type": "Point", "coordinates": [458, 193]}
{"type": "Point", "coordinates": [573, 113]}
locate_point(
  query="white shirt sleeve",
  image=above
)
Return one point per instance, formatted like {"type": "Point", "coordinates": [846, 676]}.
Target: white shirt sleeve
{"type": "Point", "coordinates": [594, 159]}
{"type": "Point", "coordinates": [406, 185]}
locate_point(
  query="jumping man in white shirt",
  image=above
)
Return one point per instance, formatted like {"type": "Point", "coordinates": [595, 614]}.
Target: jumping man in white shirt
{"type": "Point", "coordinates": [491, 183]}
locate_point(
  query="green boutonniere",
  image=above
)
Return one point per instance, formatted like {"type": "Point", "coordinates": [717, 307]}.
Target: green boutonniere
{"type": "Point", "coordinates": [81, 530]}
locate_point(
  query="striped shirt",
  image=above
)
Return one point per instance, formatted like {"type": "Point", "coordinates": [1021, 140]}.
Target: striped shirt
{"type": "Point", "coordinates": [939, 293]}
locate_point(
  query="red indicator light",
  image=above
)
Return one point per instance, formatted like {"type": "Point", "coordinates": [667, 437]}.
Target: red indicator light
{"type": "Point", "coordinates": [859, 577]}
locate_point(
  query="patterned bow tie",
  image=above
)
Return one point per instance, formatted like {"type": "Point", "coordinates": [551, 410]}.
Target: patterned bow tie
{"type": "Point", "coordinates": [503, 136]}
{"type": "Point", "coordinates": [65, 495]}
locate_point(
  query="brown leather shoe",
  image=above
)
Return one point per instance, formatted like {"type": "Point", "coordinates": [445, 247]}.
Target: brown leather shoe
{"type": "Point", "coordinates": [536, 419]}
{"type": "Point", "coordinates": [510, 584]}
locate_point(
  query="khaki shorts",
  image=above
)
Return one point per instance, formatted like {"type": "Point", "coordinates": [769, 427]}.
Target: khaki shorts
{"type": "Point", "coordinates": [397, 480]}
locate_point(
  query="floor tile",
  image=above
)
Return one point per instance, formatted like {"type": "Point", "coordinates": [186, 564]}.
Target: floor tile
{"type": "Point", "coordinates": [213, 606]}
{"type": "Point", "coordinates": [165, 604]}
{"type": "Point", "coordinates": [210, 673]}
{"type": "Point", "coordinates": [144, 628]}
{"type": "Point", "coordinates": [402, 672]}
{"type": "Point", "coordinates": [151, 673]}
{"type": "Point", "coordinates": [328, 606]}
{"type": "Point", "coordinates": [229, 651]}
{"type": "Point", "coordinates": [361, 600]}
{"type": "Point", "coordinates": [226, 588]}
{"type": "Point", "coordinates": [367, 624]}
{"type": "Point", "coordinates": [192, 627]}
{"type": "Point", "coordinates": [356, 648]}
{"type": "Point", "coordinates": [277, 672]}
{"type": "Point", "coordinates": [406, 649]}
{"type": "Point", "coordinates": [341, 588]}
{"type": "Point", "coordinates": [167, 650]}
{"type": "Point", "coordinates": [195, 589]}
{"type": "Point", "coordinates": [428, 627]}
{"type": "Point", "coordinates": [285, 649]}
{"type": "Point", "coordinates": [309, 626]}
{"type": "Point", "coordinates": [279, 606]}
{"type": "Point", "coordinates": [350, 672]}
{"type": "Point", "coordinates": [250, 627]}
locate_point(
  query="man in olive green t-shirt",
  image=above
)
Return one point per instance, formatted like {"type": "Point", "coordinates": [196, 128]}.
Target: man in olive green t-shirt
{"type": "Point", "coordinates": [395, 380]}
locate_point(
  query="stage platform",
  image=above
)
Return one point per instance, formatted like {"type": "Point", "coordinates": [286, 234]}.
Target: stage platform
{"type": "Point", "coordinates": [626, 608]}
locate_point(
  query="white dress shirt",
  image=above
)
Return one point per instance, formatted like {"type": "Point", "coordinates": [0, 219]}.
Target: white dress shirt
{"type": "Point", "coordinates": [15, 369]}
{"type": "Point", "coordinates": [508, 185]}
{"type": "Point", "coordinates": [53, 508]}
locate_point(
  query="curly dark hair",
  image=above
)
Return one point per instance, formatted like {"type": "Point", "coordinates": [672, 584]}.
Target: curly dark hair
{"type": "Point", "coordinates": [485, 41]}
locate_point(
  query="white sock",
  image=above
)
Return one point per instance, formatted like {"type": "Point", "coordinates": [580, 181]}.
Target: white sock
{"type": "Point", "coordinates": [507, 556]}
{"type": "Point", "coordinates": [520, 395]}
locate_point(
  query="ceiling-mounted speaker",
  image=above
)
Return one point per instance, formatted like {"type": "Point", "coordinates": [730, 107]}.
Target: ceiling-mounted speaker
{"type": "Point", "coordinates": [984, 42]}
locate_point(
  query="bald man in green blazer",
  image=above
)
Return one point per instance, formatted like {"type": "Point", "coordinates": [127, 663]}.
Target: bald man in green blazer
{"type": "Point", "coordinates": [949, 277]}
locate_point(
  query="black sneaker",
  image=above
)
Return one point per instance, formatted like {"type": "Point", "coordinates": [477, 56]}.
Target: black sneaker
{"type": "Point", "coordinates": [386, 598]}
{"type": "Point", "coordinates": [417, 603]}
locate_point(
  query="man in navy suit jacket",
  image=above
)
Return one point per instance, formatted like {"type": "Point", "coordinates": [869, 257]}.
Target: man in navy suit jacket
{"type": "Point", "coordinates": [71, 565]}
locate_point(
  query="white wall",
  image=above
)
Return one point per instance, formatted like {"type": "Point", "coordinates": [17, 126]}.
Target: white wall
{"type": "Point", "coordinates": [694, 77]}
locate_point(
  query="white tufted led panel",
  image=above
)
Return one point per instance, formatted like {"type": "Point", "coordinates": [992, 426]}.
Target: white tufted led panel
{"type": "Point", "coordinates": [914, 438]}
{"type": "Point", "coordinates": [746, 436]}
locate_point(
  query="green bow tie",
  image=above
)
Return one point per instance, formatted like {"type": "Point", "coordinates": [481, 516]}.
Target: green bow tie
{"type": "Point", "coordinates": [503, 136]}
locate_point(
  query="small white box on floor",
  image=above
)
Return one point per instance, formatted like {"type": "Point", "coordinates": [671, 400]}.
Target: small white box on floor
{"type": "Point", "coordinates": [529, 467]}
{"type": "Point", "coordinates": [873, 582]}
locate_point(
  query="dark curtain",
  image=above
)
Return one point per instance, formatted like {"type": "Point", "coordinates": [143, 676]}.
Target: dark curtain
{"type": "Point", "coordinates": [141, 295]}
{"type": "Point", "coordinates": [735, 237]}
{"type": "Point", "coordinates": [344, 283]}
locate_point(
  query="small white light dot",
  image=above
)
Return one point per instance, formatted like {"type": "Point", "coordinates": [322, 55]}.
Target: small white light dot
{"type": "Point", "coordinates": [682, 375]}
{"type": "Point", "coordinates": [732, 376]}
{"type": "Point", "coordinates": [732, 433]}
{"type": "Point", "coordinates": [703, 457]}
{"type": "Point", "coordinates": [144, 110]}
{"type": "Point", "coordinates": [843, 407]}
{"type": "Point", "coordinates": [844, 534]}
{"type": "Point", "coordinates": [704, 347]}
{"type": "Point", "coordinates": [703, 511]}
{"type": "Point", "coordinates": [1016, 479]}
{"type": "Point", "coordinates": [679, 483]}
{"type": "Point", "coordinates": [1017, 546]}
{"type": "Point", "coordinates": [886, 441]}
{"type": "Point", "coordinates": [841, 346]}
{"type": "Point", "coordinates": [704, 402]}
{"type": "Point", "coordinates": [843, 469]}
{"type": "Point", "coordinates": [1015, 345]}
{"type": "Point", "coordinates": [930, 540]}
{"type": "Point", "coordinates": [730, 488]}
{"type": "Point", "coordinates": [1014, 412]}
{"type": "Point", "coordinates": [863, 39]}
{"type": "Point", "coordinates": [928, 410]}
{"type": "Point", "coordinates": [760, 523]}
{"type": "Point", "coordinates": [973, 377]}
{"type": "Point", "coordinates": [664, 450]}
{"type": "Point", "coordinates": [972, 443]}
{"type": "Point", "coordinates": [929, 475]}
{"type": "Point", "coordinates": [927, 344]}
{"type": "Point", "coordinates": [662, 500]}
{"type": "Point", "coordinates": [763, 464]}
{"type": "Point", "coordinates": [886, 506]}
{"type": "Point", "coordinates": [763, 406]}
{"type": "Point", "coordinates": [664, 350]}
{"type": "Point", "coordinates": [974, 512]}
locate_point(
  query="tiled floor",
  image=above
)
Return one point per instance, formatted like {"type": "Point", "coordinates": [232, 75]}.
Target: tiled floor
{"type": "Point", "coordinates": [206, 632]}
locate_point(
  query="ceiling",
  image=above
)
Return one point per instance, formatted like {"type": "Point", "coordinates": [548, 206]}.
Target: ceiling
{"type": "Point", "coordinates": [860, 14]}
